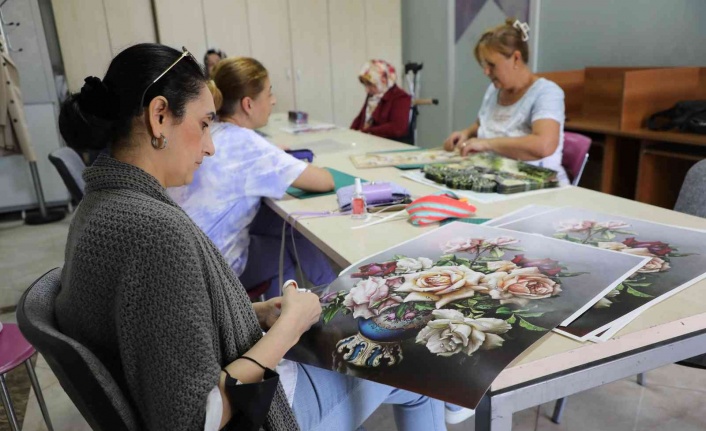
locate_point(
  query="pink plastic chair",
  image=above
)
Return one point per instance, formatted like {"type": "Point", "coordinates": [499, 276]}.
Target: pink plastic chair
{"type": "Point", "coordinates": [575, 155]}
{"type": "Point", "coordinates": [14, 350]}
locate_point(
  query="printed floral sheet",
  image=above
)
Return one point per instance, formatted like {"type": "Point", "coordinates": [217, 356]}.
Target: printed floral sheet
{"type": "Point", "coordinates": [444, 313]}
{"type": "Point", "coordinates": [677, 259]}
{"type": "Point", "coordinates": [522, 213]}
{"type": "Point", "coordinates": [404, 157]}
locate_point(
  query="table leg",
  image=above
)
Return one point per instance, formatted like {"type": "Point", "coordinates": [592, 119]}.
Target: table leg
{"type": "Point", "coordinates": [620, 160]}
{"type": "Point", "coordinates": [493, 414]}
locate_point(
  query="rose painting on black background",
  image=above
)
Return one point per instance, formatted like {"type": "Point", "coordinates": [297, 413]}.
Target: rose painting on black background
{"type": "Point", "coordinates": [444, 313]}
{"type": "Point", "coordinates": [677, 259]}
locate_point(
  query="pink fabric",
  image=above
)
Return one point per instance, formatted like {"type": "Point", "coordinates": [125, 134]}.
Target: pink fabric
{"type": "Point", "coordinates": [575, 149]}
{"type": "Point", "coordinates": [14, 349]}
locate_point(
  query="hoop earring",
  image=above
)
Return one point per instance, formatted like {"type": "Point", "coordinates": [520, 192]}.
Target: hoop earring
{"type": "Point", "coordinates": [156, 144]}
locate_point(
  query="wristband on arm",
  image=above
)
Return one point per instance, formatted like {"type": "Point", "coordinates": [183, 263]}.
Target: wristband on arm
{"type": "Point", "coordinates": [250, 402]}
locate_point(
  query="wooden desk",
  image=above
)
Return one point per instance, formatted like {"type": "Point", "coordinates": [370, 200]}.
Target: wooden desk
{"type": "Point", "coordinates": [616, 102]}
{"type": "Point", "coordinates": [556, 366]}
{"type": "Point", "coordinates": [630, 167]}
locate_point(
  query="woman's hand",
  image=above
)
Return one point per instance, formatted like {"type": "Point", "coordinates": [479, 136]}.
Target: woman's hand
{"type": "Point", "coordinates": [300, 310]}
{"type": "Point", "coordinates": [474, 145]}
{"type": "Point", "coordinates": [268, 312]}
{"type": "Point", "coordinates": [454, 139]}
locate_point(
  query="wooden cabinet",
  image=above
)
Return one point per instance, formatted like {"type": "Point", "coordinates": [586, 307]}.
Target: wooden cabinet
{"type": "Point", "coordinates": [83, 34]}
{"type": "Point", "coordinates": [91, 32]}
{"type": "Point", "coordinates": [311, 57]}
{"type": "Point", "coordinates": [361, 30]}
{"type": "Point", "coordinates": [313, 49]}
{"type": "Point", "coordinates": [383, 31]}
{"type": "Point", "coordinates": [271, 44]}
{"type": "Point", "coordinates": [181, 24]}
{"type": "Point", "coordinates": [227, 26]}
{"type": "Point", "coordinates": [347, 23]}
{"type": "Point", "coordinates": [129, 22]}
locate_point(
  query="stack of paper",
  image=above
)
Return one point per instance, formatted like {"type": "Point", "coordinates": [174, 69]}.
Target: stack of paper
{"type": "Point", "coordinates": [677, 259]}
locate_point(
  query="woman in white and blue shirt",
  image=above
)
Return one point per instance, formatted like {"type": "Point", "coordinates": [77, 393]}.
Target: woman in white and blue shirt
{"type": "Point", "coordinates": [225, 195]}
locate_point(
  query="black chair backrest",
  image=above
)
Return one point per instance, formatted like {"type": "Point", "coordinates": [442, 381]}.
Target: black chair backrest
{"type": "Point", "coordinates": [83, 376]}
{"type": "Point", "coordinates": [692, 196]}
{"type": "Point", "coordinates": [70, 166]}
{"type": "Point", "coordinates": [692, 200]}
{"type": "Point", "coordinates": [409, 137]}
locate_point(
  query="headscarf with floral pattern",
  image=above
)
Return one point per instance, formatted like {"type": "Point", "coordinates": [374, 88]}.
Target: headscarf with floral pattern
{"type": "Point", "coordinates": [383, 76]}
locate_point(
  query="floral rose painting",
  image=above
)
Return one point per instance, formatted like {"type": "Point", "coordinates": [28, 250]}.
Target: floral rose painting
{"type": "Point", "coordinates": [444, 313]}
{"type": "Point", "coordinates": [675, 258]}
{"type": "Point", "coordinates": [454, 292]}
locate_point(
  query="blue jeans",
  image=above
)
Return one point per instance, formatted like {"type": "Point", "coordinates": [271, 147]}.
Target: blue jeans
{"type": "Point", "coordinates": [328, 401]}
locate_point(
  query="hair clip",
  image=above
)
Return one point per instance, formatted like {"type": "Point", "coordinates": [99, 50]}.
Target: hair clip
{"type": "Point", "coordinates": [524, 28]}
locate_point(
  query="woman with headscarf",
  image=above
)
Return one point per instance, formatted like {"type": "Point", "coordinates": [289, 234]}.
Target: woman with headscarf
{"type": "Point", "coordinates": [386, 109]}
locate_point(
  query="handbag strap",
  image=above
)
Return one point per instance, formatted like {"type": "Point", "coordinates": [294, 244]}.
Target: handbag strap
{"type": "Point", "coordinates": [294, 217]}
{"type": "Point", "coordinates": [283, 245]}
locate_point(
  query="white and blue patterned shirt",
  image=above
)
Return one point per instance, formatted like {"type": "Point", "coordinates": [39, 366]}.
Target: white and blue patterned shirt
{"type": "Point", "coordinates": [226, 191]}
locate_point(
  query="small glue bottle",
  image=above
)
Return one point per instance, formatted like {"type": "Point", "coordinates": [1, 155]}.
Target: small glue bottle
{"type": "Point", "coordinates": [358, 206]}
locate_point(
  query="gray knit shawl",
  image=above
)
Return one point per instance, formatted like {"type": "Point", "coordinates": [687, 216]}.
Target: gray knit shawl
{"type": "Point", "coordinates": [146, 290]}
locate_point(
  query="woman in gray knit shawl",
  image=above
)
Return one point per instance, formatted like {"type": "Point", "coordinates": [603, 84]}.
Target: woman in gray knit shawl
{"type": "Point", "coordinates": [145, 289]}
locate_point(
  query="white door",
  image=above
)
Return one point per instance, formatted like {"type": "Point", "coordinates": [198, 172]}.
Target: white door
{"type": "Point", "coordinates": [227, 27]}
{"type": "Point", "coordinates": [311, 57]}
{"type": "Point", "coordinates": [82, 29]}
{"type": "Point", "coordinates": [129, 22]}
{"type": "Point", "coordinates": [348, 53]}
{"type": "Point", "coordinates": [383, 21]}
{"type": "Point", "coordinates": [181, 24]}
{"type": "Point", "coordinates": [271, 45]}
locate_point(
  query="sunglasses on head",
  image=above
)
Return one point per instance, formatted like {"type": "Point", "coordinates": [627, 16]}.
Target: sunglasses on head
{"type": "Point", "coordinates": [185, 53]}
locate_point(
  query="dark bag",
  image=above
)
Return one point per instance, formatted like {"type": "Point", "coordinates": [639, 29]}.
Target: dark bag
{"type": "Point", "coordinates": [251, 401]}
{"type": "Point", "coordinates": [303, 154]}
{"type": "Point", "coordinates": [688, 116]}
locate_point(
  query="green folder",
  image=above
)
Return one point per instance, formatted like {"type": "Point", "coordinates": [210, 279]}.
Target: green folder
{"type": "Point", "coordinates": [471, 220]}
{"type": "Point", "coordinates": [340, 179]}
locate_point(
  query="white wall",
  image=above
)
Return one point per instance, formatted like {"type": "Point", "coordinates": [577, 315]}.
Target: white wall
{"type": "Point", "coordinates": [470, 82]}
{"type": "Point", "coordinates": [427, 37]}
{"type": "Point", "coordinates": [574, 34]}
{"type": "Point", "coordinates": [451, 73]}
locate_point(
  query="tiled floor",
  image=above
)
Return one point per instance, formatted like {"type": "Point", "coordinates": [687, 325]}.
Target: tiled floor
{"type": "Point", "coordinates": [26, 252]}
{"type": "Point", "coordinates": [672, 399]}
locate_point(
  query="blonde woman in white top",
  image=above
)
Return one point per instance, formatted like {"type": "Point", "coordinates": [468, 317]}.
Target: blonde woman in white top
{"type": "Point", "coordinates": [522, 115]}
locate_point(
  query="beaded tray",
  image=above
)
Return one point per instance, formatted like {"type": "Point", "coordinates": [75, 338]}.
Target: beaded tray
{"type": "Point", "coordinates": [490, 173]}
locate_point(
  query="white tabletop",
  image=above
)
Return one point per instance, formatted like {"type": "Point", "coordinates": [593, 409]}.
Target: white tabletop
{"type": "Point", "coordinates": [676, 316]}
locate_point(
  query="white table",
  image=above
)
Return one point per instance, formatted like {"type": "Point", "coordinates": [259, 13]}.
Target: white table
{"type": "Point", "coordinates": [555, 366]}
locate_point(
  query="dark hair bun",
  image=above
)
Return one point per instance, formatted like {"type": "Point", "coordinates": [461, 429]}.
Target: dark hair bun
{"type": "Point", "coordinates": [98, 100]}
{"type": "Point", "coordinates": [81, 129]}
